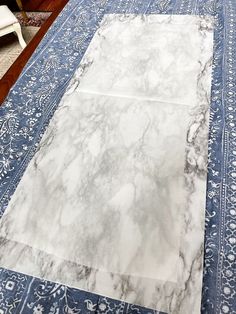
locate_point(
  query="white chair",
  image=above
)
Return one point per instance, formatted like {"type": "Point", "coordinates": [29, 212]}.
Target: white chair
{"type": "Point", "coordinates": [9, 24]}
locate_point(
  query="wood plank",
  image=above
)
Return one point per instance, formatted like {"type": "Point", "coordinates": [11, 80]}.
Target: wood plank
{"type": "Point", "coordinates": [50, 5]}
{"type": "Point", "coordinates": [38, 5]}
{"type": "Point", "coordinates": [42, 5]}
{"type": "Point", "coordinates": [14, 71]}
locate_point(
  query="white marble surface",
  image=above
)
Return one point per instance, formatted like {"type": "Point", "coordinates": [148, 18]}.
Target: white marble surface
{"type": "Point", "coordinates": [108, 187]}
{"type": "Point", "coordinates": [113, 201]}
{"type": "Point", "coordinates": [153, 58]}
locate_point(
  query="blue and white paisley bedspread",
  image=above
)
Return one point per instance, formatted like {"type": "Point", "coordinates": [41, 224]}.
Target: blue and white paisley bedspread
{"type": "Point", "coordinates": [31, 103]}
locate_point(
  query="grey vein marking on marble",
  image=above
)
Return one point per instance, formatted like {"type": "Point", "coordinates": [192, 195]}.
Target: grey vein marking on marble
{"type": "Point", "coordinates": [113, 201]}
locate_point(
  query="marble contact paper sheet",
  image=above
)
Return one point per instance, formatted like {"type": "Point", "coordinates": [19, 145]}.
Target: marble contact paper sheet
{"type": "Point", "coordinates": [113, 201]}
{"type": "Point", "coordinates": [107, 215]}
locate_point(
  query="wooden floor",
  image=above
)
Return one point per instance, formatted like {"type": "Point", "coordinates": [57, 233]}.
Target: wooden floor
{"type": "Point", "coordinates": [54, 6]}
{"type": "Point", "coordinates": [42, 5]}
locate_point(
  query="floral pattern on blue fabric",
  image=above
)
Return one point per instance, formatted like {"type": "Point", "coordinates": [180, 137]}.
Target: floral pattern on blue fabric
{"type": "Point", "coordinates": [32, 102]}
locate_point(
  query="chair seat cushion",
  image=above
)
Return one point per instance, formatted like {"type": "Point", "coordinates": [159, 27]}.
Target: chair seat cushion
{"type": "Point", "coordinates": [7, 18]}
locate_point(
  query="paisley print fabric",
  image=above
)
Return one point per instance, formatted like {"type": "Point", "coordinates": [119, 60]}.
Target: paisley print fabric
{"type": "Point", "coordinates": [32, 102]}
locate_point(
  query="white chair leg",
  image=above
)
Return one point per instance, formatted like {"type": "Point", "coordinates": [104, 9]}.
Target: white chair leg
{"type": "Point", "coordinates": [17, 29]}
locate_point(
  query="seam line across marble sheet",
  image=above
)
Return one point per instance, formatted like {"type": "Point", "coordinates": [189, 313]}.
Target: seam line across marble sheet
{"type": "Point", "coordinates": [86, 91]}
{"type": "Point", "coordinates": [136, 203]}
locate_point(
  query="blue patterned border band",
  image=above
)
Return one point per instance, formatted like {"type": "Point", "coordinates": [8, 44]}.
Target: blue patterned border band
{"type": "Point", "coordinates": [32, 102]}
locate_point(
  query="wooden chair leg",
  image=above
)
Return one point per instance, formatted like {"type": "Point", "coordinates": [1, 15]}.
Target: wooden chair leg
{"type": "Point", "coordinates": [19, 3]}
